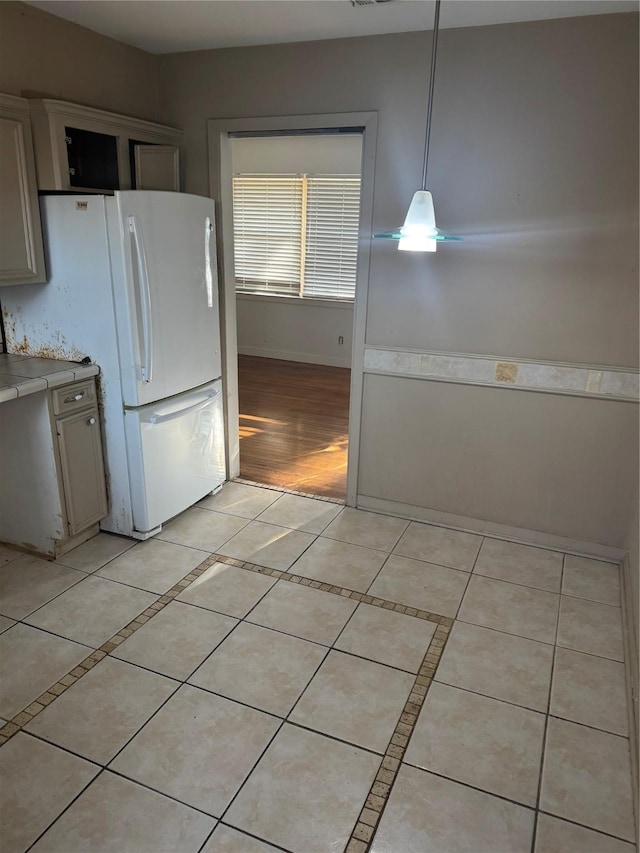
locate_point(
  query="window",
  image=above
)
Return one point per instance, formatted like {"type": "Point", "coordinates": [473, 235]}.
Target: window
{"type": "Point", "coordinates": [296, 235]}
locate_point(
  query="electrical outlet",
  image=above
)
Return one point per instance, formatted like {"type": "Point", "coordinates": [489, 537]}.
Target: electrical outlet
{"type": "Point", "coordinates": [340, 340]}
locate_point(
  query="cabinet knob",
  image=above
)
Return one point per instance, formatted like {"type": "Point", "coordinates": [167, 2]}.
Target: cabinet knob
{"type": "Point", "coordinates": [91, 421]}
{"type": "Point", "coordinates": [74, 398]}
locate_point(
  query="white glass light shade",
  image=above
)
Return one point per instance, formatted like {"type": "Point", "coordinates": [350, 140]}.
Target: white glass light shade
{"type": "Point", "coordinates": [419, 232]}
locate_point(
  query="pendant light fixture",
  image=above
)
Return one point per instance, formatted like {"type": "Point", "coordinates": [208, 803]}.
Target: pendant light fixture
{"type": "Point", "coordinates": [419, 232]}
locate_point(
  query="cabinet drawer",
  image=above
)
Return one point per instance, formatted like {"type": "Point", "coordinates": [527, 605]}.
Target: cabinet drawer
{"type": "Point", "coordinates": [72, 398]}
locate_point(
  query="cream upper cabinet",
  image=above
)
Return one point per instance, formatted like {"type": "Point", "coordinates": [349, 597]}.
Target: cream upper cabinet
{"type": "Point", "coordinates": [81, 149]}
{"type": "Point", "coordinates": [157, 167]}
{"type": "Point", "coordinates": [21, 251]}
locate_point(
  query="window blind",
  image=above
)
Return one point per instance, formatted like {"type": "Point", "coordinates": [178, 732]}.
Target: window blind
{"type": "Point", "coordinates": [296, 234]}
{"type": "Point", "coordinates": [331, 245]}
{"type": "Point", "coordinates": [267, 223]}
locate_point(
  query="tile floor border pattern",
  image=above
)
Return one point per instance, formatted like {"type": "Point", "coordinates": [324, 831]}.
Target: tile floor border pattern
{"type": "Point", "coordinates": [369, 817]}
{"type": "Point", "coordinates": [22, 718]}
{"type": "Point", "coordinates": [378, 795]}
{"type": "Point", "coordinates": [362, 835]}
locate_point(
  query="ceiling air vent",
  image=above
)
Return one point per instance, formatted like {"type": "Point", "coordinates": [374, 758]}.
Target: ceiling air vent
{"type": "Point", "coordinates": [368, 2]}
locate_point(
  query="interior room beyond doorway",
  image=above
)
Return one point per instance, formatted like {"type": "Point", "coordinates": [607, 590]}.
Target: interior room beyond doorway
{"type": "Point", "coordinates": [296, 207]}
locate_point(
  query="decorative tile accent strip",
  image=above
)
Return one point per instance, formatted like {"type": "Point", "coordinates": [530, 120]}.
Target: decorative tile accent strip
{"type": "Point", "coordinates": [366, 825]}
{"type": "Point", "coordinates": [338, 590]}
{"type": "Point", "coordinates": [525, 375]}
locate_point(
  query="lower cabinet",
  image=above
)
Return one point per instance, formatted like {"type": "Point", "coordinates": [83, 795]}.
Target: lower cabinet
{"type": "Point", "coordinates": [74, 411]}
{"type": "Point", "coordinates": [52, 479]}
{"type": "Point", "coordinates": [82, 469]}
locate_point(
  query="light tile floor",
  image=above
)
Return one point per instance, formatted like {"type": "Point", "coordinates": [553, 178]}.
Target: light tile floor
{"type": "Point", "coordinates": [275, 672]}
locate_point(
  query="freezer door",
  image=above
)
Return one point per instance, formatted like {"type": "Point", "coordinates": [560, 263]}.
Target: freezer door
{"type": "Point", "coordinates": [165, 292]}
{"type": "Point", "coordinates": [175, 451]}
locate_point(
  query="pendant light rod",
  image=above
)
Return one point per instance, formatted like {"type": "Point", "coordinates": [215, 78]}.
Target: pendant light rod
{"type": "Point", "coordinates": [434, 49]}
{"type": "Point", "coordinates": [419, 232]}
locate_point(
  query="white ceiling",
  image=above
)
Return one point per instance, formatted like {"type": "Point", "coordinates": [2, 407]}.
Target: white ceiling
{"type": "Point", "coordinates": [168, 26]}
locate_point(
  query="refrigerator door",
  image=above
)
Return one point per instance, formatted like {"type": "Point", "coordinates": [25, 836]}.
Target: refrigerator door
{"type": "Point", "coordinates": [175, 451]}
{"type": "Point", "coordinates": [165, 292]}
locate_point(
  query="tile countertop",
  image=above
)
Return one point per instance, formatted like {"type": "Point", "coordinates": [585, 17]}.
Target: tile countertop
{"type": "Point", "coordinates": [23, 374]}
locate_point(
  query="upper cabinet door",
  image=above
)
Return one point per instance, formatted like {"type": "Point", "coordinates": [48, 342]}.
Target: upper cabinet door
{"type": "Point", "coordinates": [83, 149]}
{"type": "Point", "coordinates": [21, 250]}
{"type": "Point", "coordinates": [157, 167]}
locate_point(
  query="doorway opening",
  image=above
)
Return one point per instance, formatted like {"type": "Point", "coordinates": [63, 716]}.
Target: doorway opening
{"type": "Point", "coordinates": [296, 216]}
{"type": "Point", "coordinates": [220, 136]}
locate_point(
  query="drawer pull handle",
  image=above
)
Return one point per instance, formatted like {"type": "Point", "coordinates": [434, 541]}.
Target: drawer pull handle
{"type": "Point", "coordinates": [74, 398]}
{"type": "Point", "coordinates": [91, 421]}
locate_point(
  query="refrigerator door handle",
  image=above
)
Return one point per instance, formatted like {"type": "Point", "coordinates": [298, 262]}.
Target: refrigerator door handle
{"type": "Point", "coordinates": [162, 419]}
{"type": "Point", "coordinates": [144, 300]}
{"type": "Point", "coordinates": [208, 228]}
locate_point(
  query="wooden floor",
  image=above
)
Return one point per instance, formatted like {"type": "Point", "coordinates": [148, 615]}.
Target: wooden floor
{"type": "Point", "coordinates": [294, 424]}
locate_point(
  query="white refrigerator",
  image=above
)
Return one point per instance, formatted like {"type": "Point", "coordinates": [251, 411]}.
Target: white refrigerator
{"type": "Point", "coordinates": [132, 286]}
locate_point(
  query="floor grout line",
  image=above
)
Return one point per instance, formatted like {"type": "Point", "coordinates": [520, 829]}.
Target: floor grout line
{"type": "Point", "coordinates": [67, 807]}
{"type": "Point", "coordinates": [262, 841]}
{"type": "Point", "coordinates": [545, 730]}
{"type": "Point", "coordinates": [584, 826]}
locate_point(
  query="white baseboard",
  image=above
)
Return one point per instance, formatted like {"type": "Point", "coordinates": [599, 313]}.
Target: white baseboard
{"type": "Point", "coordinates": [631, 653]}
{"type": "Point", "coordinates": [286, 355]}
{"type": "Point", "coordinates": [488, 528]}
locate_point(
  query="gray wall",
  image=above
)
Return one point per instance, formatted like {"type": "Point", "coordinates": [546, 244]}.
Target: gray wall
{"type": "Point", "coordinates": [534, 162]}
{"type": "Point", "coordinates": [546, 454]}
{"type": "Point", "coordinates": [294, 330]}
{"type": "Point", "coordinates": [42, 56]}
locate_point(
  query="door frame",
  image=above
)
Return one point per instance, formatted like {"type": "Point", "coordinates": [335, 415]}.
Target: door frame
{"type": "Point", "coordinates": [220, 189]}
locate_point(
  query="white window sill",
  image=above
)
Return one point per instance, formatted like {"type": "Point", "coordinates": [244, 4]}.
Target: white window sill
{"type": "Point", "coordinates": [343, 304]}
